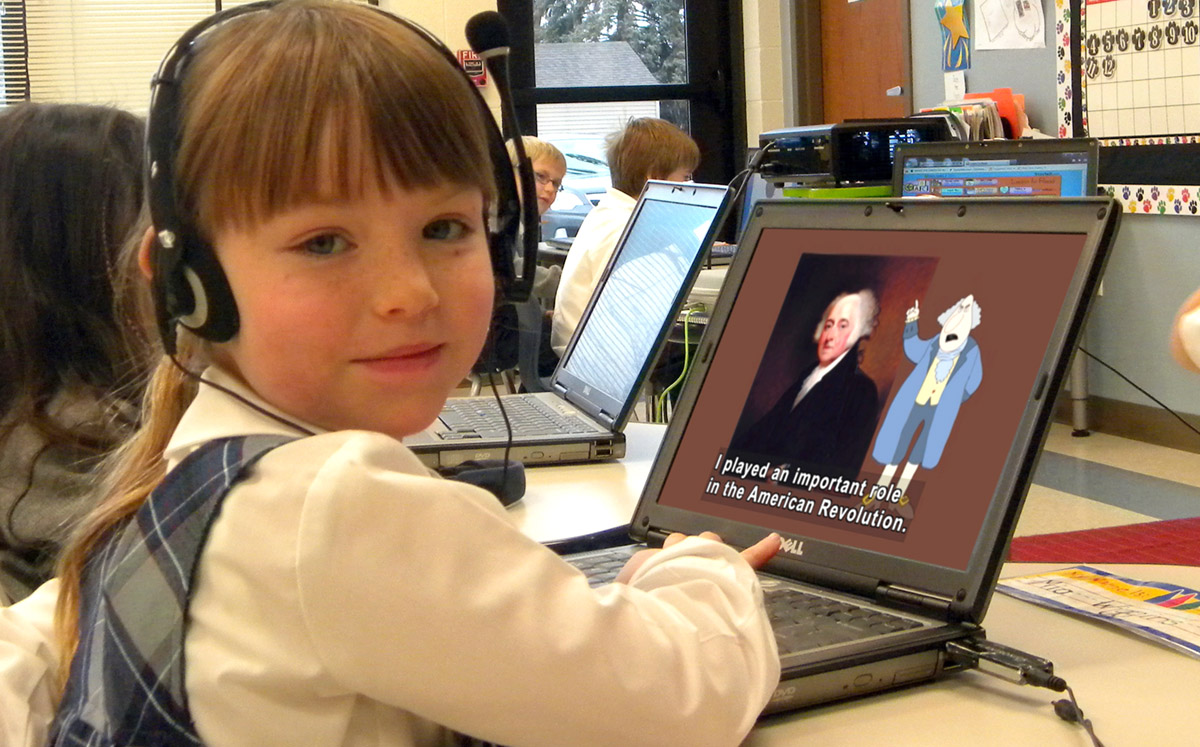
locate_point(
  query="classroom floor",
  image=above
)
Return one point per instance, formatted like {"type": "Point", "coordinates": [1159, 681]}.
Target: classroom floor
{"type": "Point", "coordinates": [1102, 480]}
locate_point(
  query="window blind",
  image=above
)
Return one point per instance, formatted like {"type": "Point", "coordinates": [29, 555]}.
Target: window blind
{"type": "Point", "coordinates": [102, 51]}
{"type": "Point", "coordinates": [92, 51]}
{"type": "Point", "coordinates": [14, 73]}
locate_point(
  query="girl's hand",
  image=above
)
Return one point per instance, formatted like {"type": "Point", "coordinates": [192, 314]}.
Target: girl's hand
{"type": "Point", "coordinates": [756, 555]}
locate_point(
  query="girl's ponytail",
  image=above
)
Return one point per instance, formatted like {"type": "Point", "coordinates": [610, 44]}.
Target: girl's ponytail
{"type": "Point", "coordinates": [131, 473]}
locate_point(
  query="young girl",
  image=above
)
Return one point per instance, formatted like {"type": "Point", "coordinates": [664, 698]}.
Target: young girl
{"type": "Point", "coordinates": [341, 595]}
{"type": "Point", "coordinates": [71, 362]}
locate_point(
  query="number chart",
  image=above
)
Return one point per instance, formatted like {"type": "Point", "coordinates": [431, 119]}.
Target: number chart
{"type": "Point", "coordinates": [1141, 64]}
{"type": "Point", "coordinates": [1129, 75]}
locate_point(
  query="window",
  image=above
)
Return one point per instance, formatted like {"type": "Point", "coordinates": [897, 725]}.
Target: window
{"type": "Point", "coordinates": [580, 69]}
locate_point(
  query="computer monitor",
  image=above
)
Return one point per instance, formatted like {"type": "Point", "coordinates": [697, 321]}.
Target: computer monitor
{"type": "Point", "coordinates": [997, 168]}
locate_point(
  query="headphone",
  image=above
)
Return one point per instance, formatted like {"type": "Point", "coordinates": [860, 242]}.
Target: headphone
{"type": "Point", "coordinates": [188, 284]}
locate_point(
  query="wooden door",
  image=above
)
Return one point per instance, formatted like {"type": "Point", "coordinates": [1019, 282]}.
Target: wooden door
{"type": "Point", "coordinates": [864, 54]}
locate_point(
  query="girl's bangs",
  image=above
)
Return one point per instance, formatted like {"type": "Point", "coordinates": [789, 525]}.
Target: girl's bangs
{"type": "Point", "coordinates": [360, 100]}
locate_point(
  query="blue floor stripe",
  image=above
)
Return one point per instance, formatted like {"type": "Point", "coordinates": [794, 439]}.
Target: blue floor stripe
{"type": "Point", "coordinates": [1152, 496]}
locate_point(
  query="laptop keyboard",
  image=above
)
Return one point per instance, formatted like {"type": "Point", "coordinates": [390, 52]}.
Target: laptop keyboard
{"type": "Point", "coordinates": [479, 417]}
{"type": "Point", "coordinates": [802, 621]}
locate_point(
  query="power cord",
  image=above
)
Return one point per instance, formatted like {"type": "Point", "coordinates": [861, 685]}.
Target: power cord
{"type": "Point", "coordinates": [1018, 667]}
{"type": "Point", "coordinates": [1150, 396]}
{"type": "Point", "coordinates": [660, 415]}
{"type": "Point", "coordinates": [1069, 711]}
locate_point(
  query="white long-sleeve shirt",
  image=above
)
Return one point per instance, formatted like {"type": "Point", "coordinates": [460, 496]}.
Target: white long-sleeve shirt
{"type": "Point", "coordinates": [347, 597]}
{"type": "Point", "coordinates": [28, 668]}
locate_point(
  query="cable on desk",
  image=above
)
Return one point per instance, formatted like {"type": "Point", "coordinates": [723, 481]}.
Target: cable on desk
{"type": "Point", "coordinates": [1069, 710]}
{"type": "Point", "coordinates": [660, 415]}
{"type": "Point", "coordinates": [1018, 667]}
{"type": "Point", "coordinates": [1131, 383]}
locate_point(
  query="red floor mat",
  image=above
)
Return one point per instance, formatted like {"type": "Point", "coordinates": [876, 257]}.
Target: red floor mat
{"type": "Point", "coordinates": [1174, 542]}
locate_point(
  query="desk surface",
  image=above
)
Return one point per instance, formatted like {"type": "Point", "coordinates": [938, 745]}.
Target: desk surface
{"type": "Point", "coordinates": [1136, 692]}
{"type": "Point", "coordinates": [573, 500]}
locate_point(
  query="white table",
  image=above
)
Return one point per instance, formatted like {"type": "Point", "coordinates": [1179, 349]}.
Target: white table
{"type": "Point", "coordinates": [574, 500]}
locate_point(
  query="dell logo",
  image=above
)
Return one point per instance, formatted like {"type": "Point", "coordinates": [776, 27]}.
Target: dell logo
{"type": "Point", "coordinates": [792, 546]}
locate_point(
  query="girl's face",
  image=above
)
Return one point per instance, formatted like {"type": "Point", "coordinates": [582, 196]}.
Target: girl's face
{"type": "Point", "coordinates": [362, 313]}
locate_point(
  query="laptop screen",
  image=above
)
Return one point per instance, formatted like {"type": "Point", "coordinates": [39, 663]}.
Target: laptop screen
{"type": "Point", "coordinates": [869, 391]}
{"type": "Point", "coordinates": [640, 292]}
{"type": "Point", "coordinates": [998, 168]}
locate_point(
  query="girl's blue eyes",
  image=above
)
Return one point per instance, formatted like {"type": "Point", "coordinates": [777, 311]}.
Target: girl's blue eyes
{"type": "Point", "coordinates": [447, 229]}
{"type": "Point", "coordinates": [326, 244]}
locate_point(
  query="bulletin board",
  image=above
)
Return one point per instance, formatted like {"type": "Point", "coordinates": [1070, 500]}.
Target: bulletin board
{"type": "Point", "coordinates": [1129, 75]}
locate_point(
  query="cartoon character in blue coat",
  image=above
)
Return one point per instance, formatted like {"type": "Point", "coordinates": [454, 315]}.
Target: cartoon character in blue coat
{"type": "Point", "coordinates": [947, 372]}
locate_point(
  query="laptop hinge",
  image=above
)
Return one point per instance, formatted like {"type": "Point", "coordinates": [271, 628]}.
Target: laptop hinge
{"type": "Point", "coordinates": [656, 537]}
{"type": "Point", "coordinates": [914, 598]}
{"type": "Point", "coordinates": [606, 419]}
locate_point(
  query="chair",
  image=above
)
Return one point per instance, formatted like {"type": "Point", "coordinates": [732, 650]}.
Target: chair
{"type": "Point", "coordinates": [513, 348]}
{"type": "Point", "coordinates": [530, 322]}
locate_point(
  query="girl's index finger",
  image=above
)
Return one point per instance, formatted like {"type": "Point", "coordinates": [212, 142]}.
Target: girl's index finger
{"type": "Point", "coordinates": [760, 552]}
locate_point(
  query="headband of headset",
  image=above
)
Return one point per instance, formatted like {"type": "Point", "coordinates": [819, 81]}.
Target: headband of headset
{"type": "Point", "coordinates": [189, 286]}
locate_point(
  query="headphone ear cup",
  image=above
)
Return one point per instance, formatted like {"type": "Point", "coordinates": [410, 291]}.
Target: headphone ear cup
{"type": "Point", "coordinates": [191, 289]}
{"type": "Point", "coordinates": [213, 313]}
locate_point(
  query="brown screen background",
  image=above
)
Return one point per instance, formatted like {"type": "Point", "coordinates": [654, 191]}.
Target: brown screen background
{"type": "Point", "coordinates": [1019, 281]}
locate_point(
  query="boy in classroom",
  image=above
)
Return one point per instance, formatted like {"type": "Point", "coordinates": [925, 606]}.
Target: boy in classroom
{"type": "Point", "coordinates": [645, 148]}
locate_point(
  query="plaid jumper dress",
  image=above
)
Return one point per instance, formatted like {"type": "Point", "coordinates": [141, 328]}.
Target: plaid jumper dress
{"type": "Point", "coordinates": [126, 685]}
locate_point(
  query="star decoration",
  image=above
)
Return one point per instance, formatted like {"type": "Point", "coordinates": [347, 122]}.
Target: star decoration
{"type": "Point", "coordinates": [953, 21]}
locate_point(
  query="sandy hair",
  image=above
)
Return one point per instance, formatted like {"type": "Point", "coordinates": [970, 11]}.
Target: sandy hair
{"type": "Point", "coordinates": [648, 148]}
{"type": "Point", "coordinates": [351, 93]}
{"type": "Point", "coordinates": [537, 149]}
{"type": "Point", "coordinates": [273, 100]}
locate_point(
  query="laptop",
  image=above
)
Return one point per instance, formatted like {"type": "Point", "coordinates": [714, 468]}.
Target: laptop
{"type": "Point", "coordinates": [596, 383]}
{"type": "Point", "coordinates": [1043, 167]}
{"type": "Point", "coordinates": [901, 575]}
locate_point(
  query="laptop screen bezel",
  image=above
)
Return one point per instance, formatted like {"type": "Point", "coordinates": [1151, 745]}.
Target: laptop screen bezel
{"type": "Point", "coordinates": [576, 389]}
{"type": "Point", "coordinates": [966, 592]}
{"type": "Point", "coordinates": [998, 148]}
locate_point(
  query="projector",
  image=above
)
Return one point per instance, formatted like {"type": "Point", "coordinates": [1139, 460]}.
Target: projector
{"type": "Point", "coordinates": [796, 154]}
{"type": "Point", "coordinates": [852, 153]}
